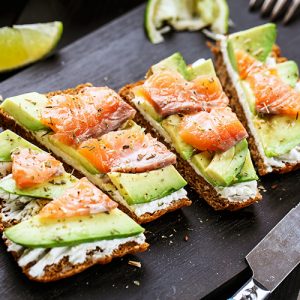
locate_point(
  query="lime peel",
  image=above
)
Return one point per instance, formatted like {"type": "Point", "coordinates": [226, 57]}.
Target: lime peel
{"type": "Point", "coordinates": [23, 44]}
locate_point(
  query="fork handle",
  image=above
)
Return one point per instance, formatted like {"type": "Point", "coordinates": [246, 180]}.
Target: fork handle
{"type": "Point", "coordinates": [251, 291]}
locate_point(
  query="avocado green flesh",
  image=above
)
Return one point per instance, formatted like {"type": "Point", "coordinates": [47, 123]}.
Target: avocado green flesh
{"type": "Point", "coordinates": [9, 141]}
{"type": "Point", "coordinates": [171, 125]}
{"type": "Point", "coordinates": [36, 232]}
{"type": "Point", "coordinates": [26, 110]}
{"type": "Point", "coordinates": [145, 187]}
{"type": "Point", "coordinates": [225, 166]}
{"type": "Point", "coordinates": [278, 134]}
{"type": "Point", "coordinates": [247, 172]}
{"type": "Point", "coordinates": [201, 161]}
{"type": "Point", "coordinates": [149, 109]}
{"type": "Point", "coordinates": [69, 150]}
{"type": "Point", "coordinates": [288, 72]}
{"type": "Point", "coordinates": [175, 63]}
{"type": "Point", "coordinates": [49, 190]}
{"type": "Point", "coordinates": [205, 68]}
{"type": "Point", "coordinates": [257, 41]}
{"type": "Point", "coordinates": [222, 169]}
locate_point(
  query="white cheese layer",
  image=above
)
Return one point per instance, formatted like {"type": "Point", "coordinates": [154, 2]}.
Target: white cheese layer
{"type": "Point", "coordinates": [43, 257]}
{"type": "Point", "coordinates": [103, 182]}
{"type": "Point", "coordinates": [237, 192]}
{"type": "Point", "coordinates": [293, 156]}
{"type": "Point", "coordinates": [21, 208]}
{"type": "Point", "coordinates": [153, 206]}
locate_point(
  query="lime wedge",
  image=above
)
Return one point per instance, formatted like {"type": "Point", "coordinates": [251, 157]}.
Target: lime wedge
{"type": "Point", "coordinates": [162, 15]}
{"type": "Point", "coordinates": [220, 23]}
{"type": "Point", "coordinates": [24, 44]}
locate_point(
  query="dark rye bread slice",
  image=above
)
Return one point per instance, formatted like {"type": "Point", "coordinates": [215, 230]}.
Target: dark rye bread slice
{"type": "Point", "coordinates": [237, 107]}
{"type": "Point", "coordinates": [64, 268]}
{"type": "Point", "coordinates": [7, 122]}
{"type": "Point", "coordinates": [197, 182]}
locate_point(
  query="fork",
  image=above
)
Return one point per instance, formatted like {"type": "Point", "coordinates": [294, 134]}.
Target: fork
{"type": "Point", "coordinates": [288, 7]}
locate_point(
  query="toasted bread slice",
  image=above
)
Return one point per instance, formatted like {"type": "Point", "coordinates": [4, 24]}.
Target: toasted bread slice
{"type": "Point", "coordinates": [61, 262]}
{"type": "Point", "coordinates": [262, 167]}
{"type": "Point", "coordinates": [7, 122]}
{"type": "Point", "coordinates": [197, 182]}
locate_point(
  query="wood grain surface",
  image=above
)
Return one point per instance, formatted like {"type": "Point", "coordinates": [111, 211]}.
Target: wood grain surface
{"type": "Point", "coordinates": [195, 252]}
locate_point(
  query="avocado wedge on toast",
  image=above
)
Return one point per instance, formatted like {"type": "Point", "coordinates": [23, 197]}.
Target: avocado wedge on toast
{"type": "Point", "coordinates": [264, 90]}
{"type": "Point", "coordinates": [53, 224]}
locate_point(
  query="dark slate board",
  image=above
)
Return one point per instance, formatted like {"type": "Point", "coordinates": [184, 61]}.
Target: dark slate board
{"type": "Point", "coordinates": [217, 242]}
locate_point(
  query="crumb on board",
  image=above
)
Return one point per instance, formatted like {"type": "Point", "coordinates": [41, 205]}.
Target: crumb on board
{"type": "Point", "coordinates": [186, 238]}
{"type": "Point", "coordinates": [136, 282]}
{"type": "Point", "coordinates": [135, 263]}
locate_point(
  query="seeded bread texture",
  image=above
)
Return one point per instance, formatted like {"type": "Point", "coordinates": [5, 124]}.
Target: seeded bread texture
{"type": "Point", "coordinates": [8, 122]}
{"type": "Point", "coordinates": [197, 182]}
{"type": "Point", "coordinates": [231, 92]}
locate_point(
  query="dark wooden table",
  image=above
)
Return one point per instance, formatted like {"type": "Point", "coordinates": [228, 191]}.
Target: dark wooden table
{"type": "Point", "coordinates": [211, 263]}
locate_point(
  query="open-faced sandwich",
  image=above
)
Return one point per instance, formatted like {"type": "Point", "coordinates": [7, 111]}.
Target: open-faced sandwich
{"type": "Point", "coordinates": [54, 224]}
{"type": "Point", "coordinates": [90, 129]}
{"type": "Point", "coordinates": [186, 108]}
{"type": "Point", "coordinates": [264, 90]}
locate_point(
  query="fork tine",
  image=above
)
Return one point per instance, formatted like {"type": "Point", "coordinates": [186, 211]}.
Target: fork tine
{"type": "Point", "coordinates": [252, 3]}
{"type": "Point", "coordinates": [278, 8]}
{"type": "Point", "coordinates": [291, 11]}
{"type": "Point", "coordinates": [267, 6]}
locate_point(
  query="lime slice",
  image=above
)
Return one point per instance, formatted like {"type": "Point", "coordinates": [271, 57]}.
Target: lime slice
{"type": "Point", "coordinates": [191, 15]}
{"type": "Point", "coordinates": [24, 44]}
{"type": "Point", "coordinates": [157, 11]}
{"type": "Point", "coordinates": [220, 23]}
{"type": "Point", "coordinates": [179, 14]}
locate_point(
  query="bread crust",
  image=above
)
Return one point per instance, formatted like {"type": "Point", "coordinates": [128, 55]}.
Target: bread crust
{"type": "Point", "coordinates": [64, 268]}
{"type": "Point", "coordinates": [7, 122]}
{"type": "Point", "coordinates": [231, 92]}
{"type": "Point", "coordinates": [197, 182]}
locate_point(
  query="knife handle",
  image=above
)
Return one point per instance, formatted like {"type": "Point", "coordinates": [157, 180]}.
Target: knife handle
{"type": "Point", "coordinates": [251, 291]}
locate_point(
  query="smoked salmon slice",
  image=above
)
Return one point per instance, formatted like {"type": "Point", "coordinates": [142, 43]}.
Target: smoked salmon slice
{"type": "Point", "coordinates": [89, 114]}
{"type": "Point", "coordinates": [217, 130]}
{"type": "Point", "coordinates": [82, 199]}
{"type": "Point", "coordinates": [129, 150]}
{"type": "Point", "coordinates": [273, 96]}
{"type": "Point", "coordinates": [31, 167]}
{"type": "Point", "coordinates": [170, 93]}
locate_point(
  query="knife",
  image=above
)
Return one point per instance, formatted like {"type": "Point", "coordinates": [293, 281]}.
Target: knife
{"type": "Point", "coordinates": [273, 258]}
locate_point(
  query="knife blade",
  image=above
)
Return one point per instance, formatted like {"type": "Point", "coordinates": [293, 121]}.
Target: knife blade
{"type": "Point", "coordinates": [273, 258]}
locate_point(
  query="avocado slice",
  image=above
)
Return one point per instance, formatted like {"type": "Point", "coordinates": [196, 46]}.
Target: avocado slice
{"type": "Point", "coordinates": [247, 172]}
{"type": "Point", "coordinates": [278, 134]}
{"type": "Point", "coordinates": [201, 161]}
{"type": "Point", "coordinates": [49, 190]}
{"type": "Point", "coordinates": [9, 141]}
{"type": "Point", "coordinates": [145, 106]}
{"type": "Point", "coordinates": [288, 72]}
{"type": "Point", "coordinates": [201, 67]}
{"type": "Point", "coordinates": [145, 187]}
{"type": "Point", "coordinates": [175, 63]}
{"type": "Point", "coordinates": [26, 109]}
{"type": "Point", "coordinates": [40, 233]}
{"type": "Point", "coordinates": [225, 166]}
{"type": "Point", "coordinates": [171, 125]}
{"type": "Point", "coordinates": [257, 41]}
{"type": "Point", "coordinates": [71, 151]}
